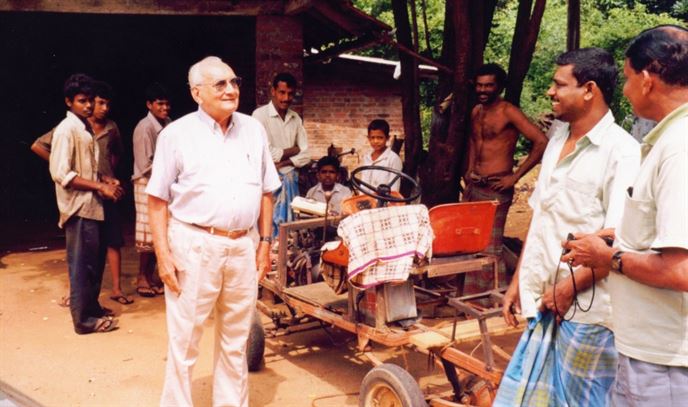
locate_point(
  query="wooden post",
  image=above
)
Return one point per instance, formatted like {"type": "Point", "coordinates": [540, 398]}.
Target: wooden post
{"type": "Point", "coordinates": [573, 25]}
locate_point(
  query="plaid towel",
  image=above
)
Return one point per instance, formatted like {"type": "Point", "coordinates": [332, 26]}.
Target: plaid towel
{"type": "Point", "coordinates": [571, 364]}
{"type": "Point", "coordinates": [383, 242]}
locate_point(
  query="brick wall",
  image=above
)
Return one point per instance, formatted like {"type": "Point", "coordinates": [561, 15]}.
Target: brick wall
{"type": "Point", "coordinates": [279, 48]}
{"type": "Point", "coordinates": [339, 102]}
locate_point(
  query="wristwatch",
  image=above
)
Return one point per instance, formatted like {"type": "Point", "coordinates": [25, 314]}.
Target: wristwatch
{"type": "Point", "coordinates": [617, 264]}
{"type": "Point", "coordinates": [266, 239]}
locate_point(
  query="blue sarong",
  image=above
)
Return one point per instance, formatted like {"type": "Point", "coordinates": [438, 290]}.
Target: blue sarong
{"type": "Point", "coordinates": [283, 197]}
{"type": "Point", "coordinates": [570, 364]}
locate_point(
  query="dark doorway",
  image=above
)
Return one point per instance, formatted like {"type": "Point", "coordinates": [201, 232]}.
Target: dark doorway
{"type": "Point", "coordinates": [39, 50]}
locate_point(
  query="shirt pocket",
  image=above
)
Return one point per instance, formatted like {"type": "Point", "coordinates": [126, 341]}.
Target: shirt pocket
{"type": "Point", "coordinates": [637, 229]}
{"type": "Point", "coordinates": [572, 200]}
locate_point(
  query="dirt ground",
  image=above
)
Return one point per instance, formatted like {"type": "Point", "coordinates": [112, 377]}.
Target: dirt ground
{"type": "Point", "coordinates": [42, 361]}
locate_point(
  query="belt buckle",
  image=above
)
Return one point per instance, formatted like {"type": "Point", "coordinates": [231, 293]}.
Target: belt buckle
{"type": "Point", "coordinates": [212, 230]}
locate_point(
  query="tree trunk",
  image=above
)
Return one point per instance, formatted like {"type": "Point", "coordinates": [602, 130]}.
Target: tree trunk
{"type": "Point", "coordinates": [410, 94]}
{"type": "Point", "coordinates": [482, 13]}
{"type": "Point", "coordinates": [440, 171]}
{"type": "Point", "coordinates": [523, 46]}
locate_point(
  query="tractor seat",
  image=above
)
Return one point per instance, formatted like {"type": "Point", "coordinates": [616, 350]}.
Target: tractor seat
{"type": "Point", "coordinates": [462, 228]}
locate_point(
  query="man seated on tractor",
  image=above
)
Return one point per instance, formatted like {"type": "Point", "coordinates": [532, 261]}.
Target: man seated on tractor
{"type": "Point", "coordinates": [328, 185]}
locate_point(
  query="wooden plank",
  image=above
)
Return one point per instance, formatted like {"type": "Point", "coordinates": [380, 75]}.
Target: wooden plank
{"type": "Point", "coordinates": [467, 330]}
{"type": "Point", "coordinates": [427, 340]}
{"type": "Point", "coordinates": [386, 337]}
{"type": "Point", "coordinates": [443, 267]}
{"type": "Point", "coordinates": [318, 294]}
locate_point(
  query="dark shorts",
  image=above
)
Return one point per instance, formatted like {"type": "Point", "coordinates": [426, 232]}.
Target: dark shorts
{"type": "Point", "coordinates": [112, 228]}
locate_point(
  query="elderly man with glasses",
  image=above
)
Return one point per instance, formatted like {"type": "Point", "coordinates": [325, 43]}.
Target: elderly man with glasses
{"type": "Point", "coordinates": [211, 184]}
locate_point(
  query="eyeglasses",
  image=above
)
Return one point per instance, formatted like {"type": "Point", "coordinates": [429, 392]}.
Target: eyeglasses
{"type": "Point", "coordinates": [221, 86]}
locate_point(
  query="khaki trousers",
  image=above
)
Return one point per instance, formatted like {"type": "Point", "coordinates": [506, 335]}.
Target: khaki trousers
{"type": "Point", "coordinates": [217, 273]}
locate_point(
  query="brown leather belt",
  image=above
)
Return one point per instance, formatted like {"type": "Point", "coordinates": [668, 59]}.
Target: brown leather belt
{"type": "Point", "coordinates": [232, 234]}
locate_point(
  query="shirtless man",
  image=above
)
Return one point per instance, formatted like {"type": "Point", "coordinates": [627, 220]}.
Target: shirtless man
{"type": "Point", "coordinates": [495, 126]}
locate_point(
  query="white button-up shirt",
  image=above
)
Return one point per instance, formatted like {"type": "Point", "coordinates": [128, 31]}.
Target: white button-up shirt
{"type": "Point", "coordinates": [144, 139]}
{"type": "Point", "coordinates": [210, 178]}
{"type": "Point", "coordinates": [74, 152]}
{"type": "Point", "coordinates": [388, 159]}
{"type": "Point", "coordinates": [651, 324]}
{"type": "Point", "coordinates": [581, 193]}
{"type": "Point", "coordinates": [339, 193]}
{"type": "Point", "coordinates": [283, 134]}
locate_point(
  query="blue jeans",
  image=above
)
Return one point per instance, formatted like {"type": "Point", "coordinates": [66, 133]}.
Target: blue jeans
{"type": "Point", "coordinates": [86, 261]}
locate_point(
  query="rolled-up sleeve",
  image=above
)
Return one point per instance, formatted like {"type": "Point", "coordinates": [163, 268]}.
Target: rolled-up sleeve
{"type": "Point", "coordinates": [144, 149]}
{"type": "Point", "coordinates": [303, 157]}
{"type": "Point", "coordinates": [271, 179]}
{"type": "Point", "coordinates": [62, 157]}
{"type": "Point", "coordinates": [671, 197]}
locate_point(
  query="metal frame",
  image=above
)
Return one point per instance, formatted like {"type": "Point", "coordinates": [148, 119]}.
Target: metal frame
{"type": "Point", "coordinates": [448, 357]}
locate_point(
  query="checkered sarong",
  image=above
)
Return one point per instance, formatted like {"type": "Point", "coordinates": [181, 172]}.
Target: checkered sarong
{"type": "Point", "coordinates": [281, 211]}
{"type": "Point", "coordinates": [383, 242]}
{"type": "Point", "coordinates": [570, 364]}
{"type": "Point", "coordinates": [143, 235]}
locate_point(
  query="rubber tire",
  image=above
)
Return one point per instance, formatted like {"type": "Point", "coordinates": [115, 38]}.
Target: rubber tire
{"type": "Point", "coordinates": [255, 348]}
{"type": "Point", "coordinates": [394, 378]}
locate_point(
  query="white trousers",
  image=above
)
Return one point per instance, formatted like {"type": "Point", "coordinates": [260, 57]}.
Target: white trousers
{"type": "Point", "coordinates": [217, 273]}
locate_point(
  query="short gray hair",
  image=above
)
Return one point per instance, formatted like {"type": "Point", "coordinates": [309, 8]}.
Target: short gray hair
{"type": "Point", "coordinates": [196, 70]}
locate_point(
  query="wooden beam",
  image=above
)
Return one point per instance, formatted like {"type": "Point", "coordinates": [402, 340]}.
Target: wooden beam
{"type": "Point", "coordinates": [423, 59]}
{"type": "Point", "coordinates": [297, 6]}
{"type": "Point", "coordinates": [335, 16]}
{"type": "Point", "coordinates": [166, 7]}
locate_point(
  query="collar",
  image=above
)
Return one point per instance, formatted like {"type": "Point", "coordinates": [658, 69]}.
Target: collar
{"type": "Point", "coordinates": [337, 187]}
{"type": "Point", "coordinates": [654, 134]}
{"type": "Point", "coordinates": [272, 112]}
{"type": "Point", "coordinates": [211, 123]}
{"type": "Point", "coordinates": [596, 134]}
{"type": "Point", "coordinates": [156, 123]}
{"type": "Point", "coordinates": [109, 125]}
{"type": "Point", "coordinates": [382, 156]}
{"type": "Point", "coordinates": [75, 119]}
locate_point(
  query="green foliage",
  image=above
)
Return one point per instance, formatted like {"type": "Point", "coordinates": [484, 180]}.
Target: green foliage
{"type": "Point", "coordinates": [609, 24]}
{"type": "Point", "coordinates": [610, 27]}
{"type": "Point", "coordinates": [676, 8]}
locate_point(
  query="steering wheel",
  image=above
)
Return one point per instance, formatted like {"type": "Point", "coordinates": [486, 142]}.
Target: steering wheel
{"type": "Point", "coordinates": [383, 191]}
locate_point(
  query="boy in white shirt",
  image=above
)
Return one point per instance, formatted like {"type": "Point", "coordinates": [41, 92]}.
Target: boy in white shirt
{"type": "Point", "coordinates": [381, 155]}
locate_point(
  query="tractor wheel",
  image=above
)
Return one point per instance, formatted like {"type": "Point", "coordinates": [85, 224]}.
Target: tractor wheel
{"type": "Point", "coordinates": [255, 347]}
{"type": "Point", "coordinates": [389, 385]}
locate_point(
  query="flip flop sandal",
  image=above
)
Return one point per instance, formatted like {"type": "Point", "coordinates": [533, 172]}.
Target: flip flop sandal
{"type": "Point", "coordinates": [145, 292]}
{"type": "Point", "coordinates": [105, 313]}
{"type": "Point", "coordinates": [105, 325]}
{"type": "Point", "coordinates": [158, 289]}
{"type": "Point", "coordinates": [64, 301]}
{"type": "Point", "coordinates": [122, 299]}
